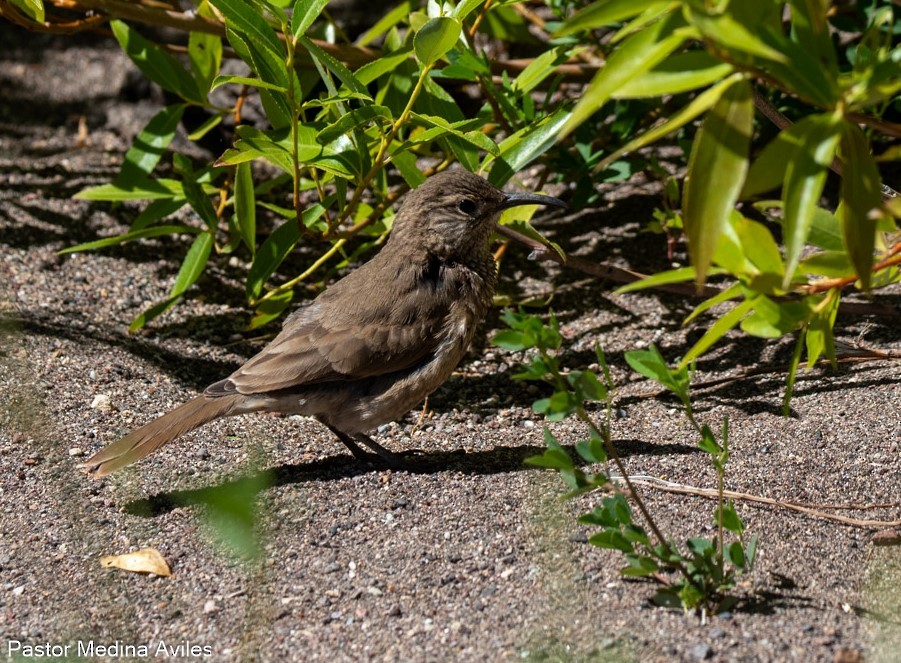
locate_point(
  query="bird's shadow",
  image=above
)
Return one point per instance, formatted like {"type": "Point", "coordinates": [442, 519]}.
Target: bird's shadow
{"type": "Point", "coordinates": [248, 486]}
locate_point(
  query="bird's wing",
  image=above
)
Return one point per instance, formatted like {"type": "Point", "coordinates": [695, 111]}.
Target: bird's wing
{"type": "Point", "coordinates": [320, 343]}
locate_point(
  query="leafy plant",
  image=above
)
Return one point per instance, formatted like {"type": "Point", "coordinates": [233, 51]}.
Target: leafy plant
{"type": "Point", "coordinates": [735, 54]}
{"type": "Point", "coordinates": [707, 569]}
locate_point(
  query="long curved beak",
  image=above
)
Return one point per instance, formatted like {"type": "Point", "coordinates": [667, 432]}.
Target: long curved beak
{"type": "Point", "coordinates": [517, 199]}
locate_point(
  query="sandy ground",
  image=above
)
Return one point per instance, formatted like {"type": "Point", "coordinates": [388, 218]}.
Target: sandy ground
{"type": "Point", "coordinates": [472, 557]}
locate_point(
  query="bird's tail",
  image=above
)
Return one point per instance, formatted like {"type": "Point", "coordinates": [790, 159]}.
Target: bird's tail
{"type": "Point", "coordinates": [147, 439]}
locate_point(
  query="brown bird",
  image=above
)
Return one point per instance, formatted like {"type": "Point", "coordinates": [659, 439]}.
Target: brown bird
{"type": "Point", "coordinates": [374, 344]}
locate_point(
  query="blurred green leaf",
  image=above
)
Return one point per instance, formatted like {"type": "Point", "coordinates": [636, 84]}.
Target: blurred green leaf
{"type": "Point", "coordinates": [605, 12]}
{"type": "Point", "coordinates": [33, 9]}
{"type": "Point", "coordinates": [639, 53]}
{"type": "Point", "coordinates": [861, 196]}
{"type": "Point", "coordinates": [703, 102]}
{"type": "Point", "coordinates": [820, 338]}
{"type": "Point", "coordinates": [805, 176]}
{"type": "Point", "coordinates": [678, 73]}
{"type": "Point", "coordinates": [716, 172]}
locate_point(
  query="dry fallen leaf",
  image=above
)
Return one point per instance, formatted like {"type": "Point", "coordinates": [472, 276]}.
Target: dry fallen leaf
{"type": "Point", "coordinates": [147, 560]}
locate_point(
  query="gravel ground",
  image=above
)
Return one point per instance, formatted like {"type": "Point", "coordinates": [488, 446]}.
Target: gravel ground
{"type": "Point", "coordinates": [471, 557]}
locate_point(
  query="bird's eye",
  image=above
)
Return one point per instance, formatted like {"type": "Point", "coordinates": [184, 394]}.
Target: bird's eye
{"type": "Point", "coordinates": [467, 206]}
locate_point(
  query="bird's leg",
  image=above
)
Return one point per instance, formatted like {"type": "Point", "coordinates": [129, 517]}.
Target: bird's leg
{"type": "Point", "coordinates": [390, 458]}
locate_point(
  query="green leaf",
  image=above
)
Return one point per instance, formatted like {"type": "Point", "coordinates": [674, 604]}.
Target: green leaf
{"type": "Point", "coordinates": [270, 68]}
{"type": "Point", "coordinates": [205, 54]}
{"type": "Point", "coordinates": [861, 196]}
{"type": "Point", "coordinates": [716, 172]}
{"type": "Point", "coordinates": [679, 73]}
{"type": "Point", "coordinates": [154, 231]}
{"type": "Point", "coordinates": [370, 71]}
{"type": "Point", "coordinates": [245, 206]}
{"type": "Point", "coordinates": [441, 127]}
{"type": "Point", "coordinates": [679, 275]}
{"type": "Point", "coordinates": [275, 249]}
{"type": "Point", "coordinates": [758, 246]}
{"type": "Point", "coordinates": [540, 68]}
{"type": "Point", "coordinates": [200, 202]}
{"type": "Point", "coordinates": [810, 26]}
{"type": "Point", "coordinates": [156, 210]}
{"type": "Point", "coordinates": [680, 118]}
{"type": "Point", "coordinates": [523, 147]}
{"type": "Point", "coordinates": [155, 63]}
{"type": "Point", "coordinates": [270, 309]}
{"type": "Point", "coordinates": [592, 450]}
{"type": "Point", "coordinates": [639, 567]}
{"type": "Point", "coordinates": [146, 190]}
{"type": "Point", "coordinates": [651, 364]}
{"type": "Point", "coordinates": [149, 146]}
{"type": "Point", "coordinates": [242, 17]}
{"type": "Point", "coordinates": [304, 13]}
{"type": "Point", "coordinates": [733, 291]}
{"type": "Point", "coordinates": [717, 331]}
{"type": "Point", "coordinates": [605, 12]}
{"type": "Point", "coordinates": [805, 176]}
{"type": "Point", "coordinates": [33, 9]}
{"type": "Point", "coordinates": [611, 539]}
{"type": "Point", "coordinates": [193, 264]}
{"type": "Point", "coordinates": [243, 80]}
{"type": "Point", "coordinates": [820, 338]}
{"type": "Point", "coordinates": [639, 53]}
{"type": "Point", "coordinates": [727, 31]}
{"type": "Point", "coordinates": [775, 319]}
{"type": "Point", "coordinates": [351, 120]}
{"type": "Point", "coordinates": [190, 271]}
{"type": "Point", "coordinates": [436, 38]}
{"type": "Point", "coordinates": [513, 340]}
{"type": "Point", "coordinates": [466, 7]}
{"type": "Point", "coordinates": [343, 73]}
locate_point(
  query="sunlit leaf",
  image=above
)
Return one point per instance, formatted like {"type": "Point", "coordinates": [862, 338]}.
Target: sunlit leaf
{"type": "Point", "coordinates": [716, 172]}
{"type": "Point", "coordinates": [639, 53]}
{"type": "Point", "coordinates": [719, 329]}
{"type": "Point", "coordinates": [436, 38]}
{"type": "Point", "coordinates": [304, 13]}
{"type": "Point", "coordinates": [805, 176]}
{"type": "Point", "coordinates": [604, 12]}
{"type": "Point", "coordinates": [679, 73]}
{"type": "Point", "coordinates": [860, 196]}
{"type": "Point", "coordinates": [144, 233]}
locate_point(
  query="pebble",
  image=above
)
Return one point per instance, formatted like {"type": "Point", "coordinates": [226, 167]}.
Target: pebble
{"type": "Point", "coordinates": [75, 451]}
{"type": "Point", "coordinates": [700, 651]}
{"type": "Point", "coordinates": [210, 607]}
{"type": "Point", "coordinates": [101, 402]}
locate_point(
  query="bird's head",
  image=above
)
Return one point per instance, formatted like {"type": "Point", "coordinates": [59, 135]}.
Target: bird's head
{"type": "Point", "coordinates": [455, 212]}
